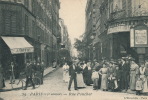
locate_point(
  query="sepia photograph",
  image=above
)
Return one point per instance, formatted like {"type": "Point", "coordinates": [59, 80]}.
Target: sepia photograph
{"type": "Point", "coordinates": [73, 49]}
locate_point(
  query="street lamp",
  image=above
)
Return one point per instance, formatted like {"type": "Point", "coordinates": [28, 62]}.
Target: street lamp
{"type": "Point", "coordinates": [58, 42]}
{"type": "Point", "coordinates": [38, 52]}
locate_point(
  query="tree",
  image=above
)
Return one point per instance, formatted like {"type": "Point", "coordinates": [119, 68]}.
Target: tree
{"type": "Point", "coordinates": [80, 46]}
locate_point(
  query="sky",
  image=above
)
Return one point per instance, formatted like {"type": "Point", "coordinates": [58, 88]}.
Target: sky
{"type": "Point", "coordinates": [73, 13]}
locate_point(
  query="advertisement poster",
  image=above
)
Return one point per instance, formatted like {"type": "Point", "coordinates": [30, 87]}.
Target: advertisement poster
{"type": "Point", "coordinates": [140, 36]}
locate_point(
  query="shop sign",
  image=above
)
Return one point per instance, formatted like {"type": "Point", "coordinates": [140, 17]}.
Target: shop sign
{"type": "Point", "coordinates": [120, 28]}
{"type": "Point", "coordinates": [21, 50]}
{"type": "Point", "coordinates": [139, 36]}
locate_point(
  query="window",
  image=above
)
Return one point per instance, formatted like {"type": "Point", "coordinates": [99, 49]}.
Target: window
{"type": "Point", "coordinates": [26, 25]}
{"type": "Point", "coordinates": [26, 3]}
{"type": "Point", "coordinates": [10, 22]}
{"type": "Point", "coordinates": [117, 5]}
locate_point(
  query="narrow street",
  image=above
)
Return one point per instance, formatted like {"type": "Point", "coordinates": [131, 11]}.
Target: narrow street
{"type": "Point", "coordinates": [55, 89]}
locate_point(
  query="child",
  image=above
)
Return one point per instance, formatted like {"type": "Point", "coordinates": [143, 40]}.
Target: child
{"type": "Point", "coordinates": [117, 80]}
{"type": "Point", "coordinates": [111, 84]}
{"type": "Point", "coordinates": [139, 86]}
{"type": "Point", "coordinates": [95, 79]}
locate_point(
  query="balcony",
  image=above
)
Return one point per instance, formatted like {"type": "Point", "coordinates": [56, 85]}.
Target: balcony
{"type": "Point", "coordinates": [117, 15]}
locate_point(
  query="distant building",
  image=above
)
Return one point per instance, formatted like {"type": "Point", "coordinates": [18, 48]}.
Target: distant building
{"type": "Point", "coordinates": [65, 41]}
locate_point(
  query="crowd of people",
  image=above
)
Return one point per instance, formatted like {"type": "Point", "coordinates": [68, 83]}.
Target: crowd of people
{"type": "Point", "coordinates": [108, 75]}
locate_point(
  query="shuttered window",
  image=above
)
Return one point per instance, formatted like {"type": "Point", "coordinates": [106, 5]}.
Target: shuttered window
{"type": "Point", "coordinates": [10, 22]}
{"type": "Point", "coordinates": [26, 3]}
{"type": "Point", "coordinates": [13, 23]}
{"type": "Point", "coordinates": [26, 25]}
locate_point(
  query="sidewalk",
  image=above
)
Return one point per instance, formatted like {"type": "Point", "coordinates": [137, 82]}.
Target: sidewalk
{"type": "Point", "coordinates": [9, 87]}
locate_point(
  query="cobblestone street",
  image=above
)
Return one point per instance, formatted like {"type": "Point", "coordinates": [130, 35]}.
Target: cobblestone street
{"type": "Point", "coordinates": [55, 89]}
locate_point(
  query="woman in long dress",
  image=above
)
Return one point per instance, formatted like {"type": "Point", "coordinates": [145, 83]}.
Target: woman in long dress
{"type": "Point", "coordinates": [89, 74]}
{"type": "Point", "coordinates": [134, 69]}
{"type": "Point", "coordinates": [104, 73]}
{"type": "Point", "coordinates": [143, 77]}
{"type": "Point", "coordinates": [80, 81]}
{"type": "Point", "coordinates": [66, 73]}
{"type": "Point", "coordinates": [85, 72]}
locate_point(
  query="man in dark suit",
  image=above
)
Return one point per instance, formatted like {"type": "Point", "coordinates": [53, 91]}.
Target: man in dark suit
{"type": "Point", "coordinates": [125, 68]}
{"type": "Point", "coordinates": [73, 76]}
{"type": "Point", "coordinates": [29, 74]}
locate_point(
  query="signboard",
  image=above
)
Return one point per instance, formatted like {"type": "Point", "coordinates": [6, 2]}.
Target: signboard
{"type": "Point", "coordinates": [139, 36]}
{"type": "Point", "coordinates": [119, 28]}
{"type": "Point", "coordinates": [21, 50]}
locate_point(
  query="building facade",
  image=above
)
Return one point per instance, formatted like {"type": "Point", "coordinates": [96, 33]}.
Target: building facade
{"type": "Point", "coordinates": [36, 21]}
{"type": "Point", "coordinates": [65, 41]}
{"type": "Point", "coordinates": [114, 21]}
{"type": "Point", "coordinates": [90, 29]}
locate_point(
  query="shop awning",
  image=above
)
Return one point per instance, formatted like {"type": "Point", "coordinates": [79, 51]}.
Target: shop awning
{"type": "Point", "coordinates": [18, 45]}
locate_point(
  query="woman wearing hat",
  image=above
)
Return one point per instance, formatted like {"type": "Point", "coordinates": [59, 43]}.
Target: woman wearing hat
{"type": "Point", "coordinates": [134, 69]}
{"type": "Point", "coordinates": [144, 77]}
{"type": "Point", "coordinates": [66, 72]}
{"type": "Point", "coordinates": [89, 74]}
{"type": "Point", "coordinates": [80, 81]}
{"type": "Point", "coordinates": [104, 73]}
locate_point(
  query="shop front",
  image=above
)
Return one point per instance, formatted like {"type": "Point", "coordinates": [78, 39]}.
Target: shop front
{"type": "Point", "coordinates": [128, 39]}
{"type": "Point", "coordinates": [16, 50]}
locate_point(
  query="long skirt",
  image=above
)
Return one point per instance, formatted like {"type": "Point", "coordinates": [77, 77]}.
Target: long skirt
{"type": "Point", "coordinates": [80, 81]}
{"type": "Point", "coordinates": [66, 76]}
{"type": "Point", "coordinates": [104, 81]}
{"type": "Point", "coordinates": [85, 77]}
{"type": "Point", "coordinates": [145, 85]}
{"type": "Point", "coordinates": [133, 79]}
{"type": "Point", "coordinates": [95, 83]}
{"type": "Point", "coordinates": [1, 81]}
{"type": "Point", "coordinates": [89, 79]}
{"type": "Point", "coordinates": [99, 81]}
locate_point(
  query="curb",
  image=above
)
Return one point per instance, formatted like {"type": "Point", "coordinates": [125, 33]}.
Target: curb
{"type": "Point", "coordinates": [51, 71]}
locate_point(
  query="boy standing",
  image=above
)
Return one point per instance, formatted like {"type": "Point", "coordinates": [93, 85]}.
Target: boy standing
{"type": "Point", "coordinates": [95, 79]}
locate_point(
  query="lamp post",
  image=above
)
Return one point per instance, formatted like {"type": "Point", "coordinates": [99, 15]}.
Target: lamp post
{"type": "Point", "coordinates": [58, 42]}
{"type": "Point", "coordinates": [89, 52]}
{"type": "Point", "coordinates": [38, 52]}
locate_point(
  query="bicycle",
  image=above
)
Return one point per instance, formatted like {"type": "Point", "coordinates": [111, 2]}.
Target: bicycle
{"type": "Point", "coordinates": [19, 83]}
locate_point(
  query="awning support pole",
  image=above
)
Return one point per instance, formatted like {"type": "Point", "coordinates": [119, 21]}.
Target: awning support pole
{"type": "Point", "coordinates": [25, 57]}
